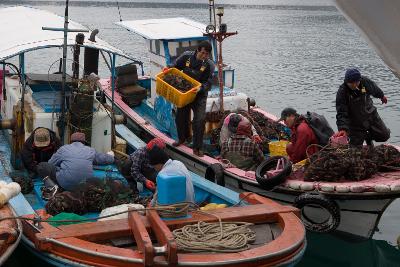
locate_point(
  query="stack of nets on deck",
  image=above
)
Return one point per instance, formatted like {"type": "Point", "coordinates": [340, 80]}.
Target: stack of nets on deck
{"type": "Point", "coordinates": [94, 196]}
{"type": "Point", "coordinates": [335, 164]}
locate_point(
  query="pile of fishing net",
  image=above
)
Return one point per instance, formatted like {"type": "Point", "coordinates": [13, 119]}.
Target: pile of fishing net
{"type": "Point", "coordinates": [94, 196]}
{"type": "Point", "coordinates": [335, 164]}
{"type": "Point", "coordinates": [23, 179]}
{"type": "Point", "coordinates": [178, 82]}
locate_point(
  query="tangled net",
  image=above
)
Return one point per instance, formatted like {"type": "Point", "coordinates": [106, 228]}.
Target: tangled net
{"type": "Point", "coordinates": [94, 196]}
{"type": "Point", "coordinates": [335, 164]}
{"type": "Point", "coordinates": [178, 82]}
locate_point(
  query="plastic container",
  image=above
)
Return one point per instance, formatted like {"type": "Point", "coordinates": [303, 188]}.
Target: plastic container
{"type": "Point", "coordinates": [278, 148]}
{"type": "Point", "coordinates": [171, 189]}
{"type": "Point", "coordinates": [172, 94]}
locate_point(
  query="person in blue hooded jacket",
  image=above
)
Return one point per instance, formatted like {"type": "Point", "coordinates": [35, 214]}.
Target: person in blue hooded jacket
{"type": "Point", "coordinates": [72, 164]}
{"type": "Point", "coordinates": [357, 116]}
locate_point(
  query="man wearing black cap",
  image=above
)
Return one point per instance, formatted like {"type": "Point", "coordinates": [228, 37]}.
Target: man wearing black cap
{"type": "Point", "coordinates": [302, 136]}
{"type": "Point", "coordinates": [357, 116]}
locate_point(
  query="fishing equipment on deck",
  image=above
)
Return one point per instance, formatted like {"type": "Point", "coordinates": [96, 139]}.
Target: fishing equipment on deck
{"type": "Point", "coordinates": [336, 163]}
{"type": "Point", "coordinates": [24, 181]}
{"type": "Point", "coordinates": [94, 196]}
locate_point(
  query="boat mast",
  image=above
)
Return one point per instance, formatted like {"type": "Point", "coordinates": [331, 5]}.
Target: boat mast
{"type": "Point", "coordinates": [61, 121]}
{"type": "Point", "coordinates": [219, 36]}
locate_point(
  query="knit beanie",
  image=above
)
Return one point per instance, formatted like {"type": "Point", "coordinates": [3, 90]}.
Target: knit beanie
{"type": "Point", "coordinates": [155, 142]}
{"type": "Point", "coordinates": [352, 75]}
{"type": "Point", "coordinates": [157, 156]}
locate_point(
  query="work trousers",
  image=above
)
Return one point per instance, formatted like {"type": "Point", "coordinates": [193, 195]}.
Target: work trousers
{"type": "Point", "coordinates": [45, 169]}
{"type": "Point", "coordinates": [182, 120]}
{"type": "Point", "coordinates": [374, 129]}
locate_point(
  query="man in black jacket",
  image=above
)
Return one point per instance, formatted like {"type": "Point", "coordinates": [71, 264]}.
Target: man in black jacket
{"type": "Point", "coordinates": [197, 65]}
{"type": "Point", "coordinates": [39, 147]}
{"type": "Point", "coordinates": [357, 116]}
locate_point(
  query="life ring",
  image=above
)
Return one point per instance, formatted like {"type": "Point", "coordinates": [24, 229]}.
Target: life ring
{"type": "Point", "coordinates": [268, 164]}
{"type": "Point", "coordinates": [215, 174]}
{"type": "Point", "coordinates": [315, 199]}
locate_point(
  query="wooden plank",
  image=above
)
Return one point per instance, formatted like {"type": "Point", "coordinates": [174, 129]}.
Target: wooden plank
{"type": "Point", "coordinates": [142, 237]}
{"type": "Point", "coordinates": [164, 237]}
{"type": "Point", "coordinates": [133, 141]}
{"type": "Point", "coordinates": [95, 231]}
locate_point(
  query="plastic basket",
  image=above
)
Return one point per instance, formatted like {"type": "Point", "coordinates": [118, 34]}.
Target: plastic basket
{"type": "Point", "coordinates": [172, 94]}
{"type": "Point", "coordinates": [278, 148]}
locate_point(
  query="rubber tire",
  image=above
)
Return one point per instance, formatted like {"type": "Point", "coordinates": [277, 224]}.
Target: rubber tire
{"type": "Point", "coordinates": [270, 183]}
{"type": "Point", "coordinates": [215, 174]}
{"type": "Point", "coordinates": [329, 205]}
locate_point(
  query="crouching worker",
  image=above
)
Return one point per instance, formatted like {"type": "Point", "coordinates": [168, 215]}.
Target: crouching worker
{"type": "Point", "coordinates": [39, 147]}
{"type": "Point", "coordinates": [241, 150]}
{"type": "Point", "coordinates": [230, 125]}
{"type": "Point", "coordinates": [169, 169]}
{"type": "Point", "coordinates": [71, 165]}
{"type": "Point", "coordinates": [301, 138]}
{"type": "Point", "coordinates": [141, 170]}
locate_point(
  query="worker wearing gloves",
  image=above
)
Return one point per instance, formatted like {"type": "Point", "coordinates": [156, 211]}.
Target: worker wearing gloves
{"type": "Point", "coordinates": [357, 116]}
{"type": "Point", "coordinates": [197, 65]}
{"type": "Point", "coordinates": [141, 170]}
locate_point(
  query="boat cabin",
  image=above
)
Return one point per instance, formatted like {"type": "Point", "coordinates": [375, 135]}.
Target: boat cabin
{"type": "Point", "coordinates": [166, 40]}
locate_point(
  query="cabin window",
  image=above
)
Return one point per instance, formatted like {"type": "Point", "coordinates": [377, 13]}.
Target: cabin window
{"type": "Point", "coordinates": [157, 44]}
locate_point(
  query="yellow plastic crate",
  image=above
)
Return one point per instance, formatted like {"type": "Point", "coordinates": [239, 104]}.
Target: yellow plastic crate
{"type": "Point", "coordinates": [172, 94]}
{"type": "Point", "coordinates": [278, 148]}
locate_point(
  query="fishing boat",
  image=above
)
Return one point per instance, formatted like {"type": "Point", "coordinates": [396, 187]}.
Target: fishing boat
{"type": "Point", "coordinates": [347, 207]}
{"type": "Point", "coordinates": [10, 233]}
{"type": "Point", "coordinates": [35, 100]}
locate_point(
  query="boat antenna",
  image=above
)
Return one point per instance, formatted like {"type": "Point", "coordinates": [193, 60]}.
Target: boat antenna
{"type": "Point", "coordinates": [119, 12]}
{"type": "Point", "coordinates": [61, 121]}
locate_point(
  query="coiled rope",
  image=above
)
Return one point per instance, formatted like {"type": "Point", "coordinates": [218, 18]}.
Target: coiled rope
{"type": "Point", "coordinates": [215, 237]}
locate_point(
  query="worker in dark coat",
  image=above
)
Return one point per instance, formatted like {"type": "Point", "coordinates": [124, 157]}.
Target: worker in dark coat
{"type": "Point", "coordinates": [39, 147]}
{"type": "Point", "coordinates": [357, 116]}
{"type": "Point", "coordinates": [197, 65]}
{"type": "Point", "coordinates": [302, 136]}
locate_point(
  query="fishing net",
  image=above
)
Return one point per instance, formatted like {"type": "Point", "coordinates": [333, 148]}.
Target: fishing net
{"type": "Point", "coordinates": [94, 196]}
{"type": "Point", "coordinates": [337, 163]}
{"type": "Point", "coordinates": [23, 179]}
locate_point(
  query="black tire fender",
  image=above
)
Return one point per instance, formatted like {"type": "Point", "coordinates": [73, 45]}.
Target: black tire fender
{"type": "Point", "coordinates": [268, 164]}
{"type": "Point", "coordinates": [322, 201]}
{"type": "Point", "coordinates": [215, 174]}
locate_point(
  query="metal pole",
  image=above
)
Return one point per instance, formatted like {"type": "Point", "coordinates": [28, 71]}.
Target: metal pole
{"type": "Point", "coordinates": [64, 76]}
{"type": "Point", "coordinates": [114, 57]}
{"type": "Point", "coordinates": [220, 76]}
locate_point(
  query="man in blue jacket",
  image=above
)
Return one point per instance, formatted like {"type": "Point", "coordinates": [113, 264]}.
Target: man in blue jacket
{"type": "Point", "coordinates": [197, 65]}
{"type": "Point", "coordinates": [357, 116]}
{"type": "Point", "coordinates": [72, 164]}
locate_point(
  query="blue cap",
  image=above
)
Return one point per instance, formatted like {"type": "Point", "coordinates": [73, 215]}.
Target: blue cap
{"type": "Point", "coordinates": [352, 75]}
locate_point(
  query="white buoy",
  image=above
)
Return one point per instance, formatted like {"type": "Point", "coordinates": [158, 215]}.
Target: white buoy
{"type": "Point", "coordinates": [382, 188]}
{"type": "Point", "coordinates": [307, 186]}
{"type": "Point", "coordinates": [342, 188]}
{"type": "Point", "coordinates": [327, 187]}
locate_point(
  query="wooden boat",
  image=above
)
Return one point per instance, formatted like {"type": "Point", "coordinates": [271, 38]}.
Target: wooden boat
{"type": "Point", "coordinates": [139, 240]}
{"type": "Point", "coordinates": [351, 208]}
{"type": "Point", "coordinates": [10, 233]}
